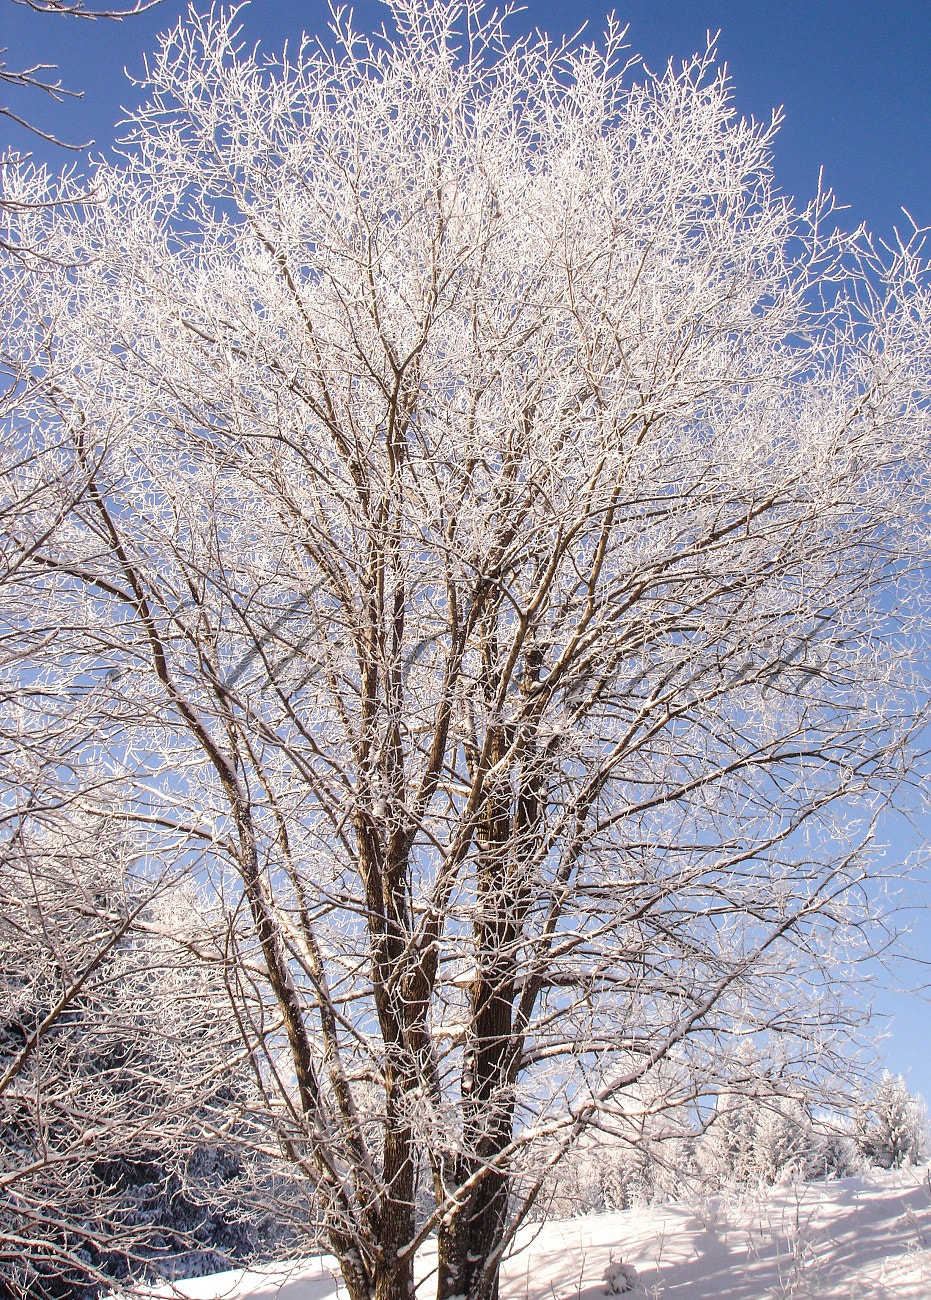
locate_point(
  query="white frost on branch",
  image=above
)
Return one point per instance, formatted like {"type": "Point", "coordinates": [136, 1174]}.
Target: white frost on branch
{"type": "Point", "coordinates": [483, 530]}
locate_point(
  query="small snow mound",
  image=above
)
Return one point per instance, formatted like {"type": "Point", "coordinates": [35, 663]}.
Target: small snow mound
{"type": "Point", "coordinates": [620, 1278]}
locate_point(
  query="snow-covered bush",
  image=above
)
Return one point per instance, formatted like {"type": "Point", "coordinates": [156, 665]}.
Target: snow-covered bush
{"type": "Point", "coordinates": [891, 1125]}
{"type": "Point", "coordinates": [619, 1278]}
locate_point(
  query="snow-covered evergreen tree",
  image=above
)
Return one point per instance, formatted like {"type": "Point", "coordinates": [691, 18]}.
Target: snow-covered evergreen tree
{"type": "Point", "coordinates": [724, 1154]}
{"type": "Point", "coordinates": [891, 1125]}
{"type": "Point", "coordinates": [784, 1143]}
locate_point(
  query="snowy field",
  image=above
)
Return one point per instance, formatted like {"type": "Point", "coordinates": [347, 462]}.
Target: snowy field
{"type": "Point", "coordinates": [856, 1239]}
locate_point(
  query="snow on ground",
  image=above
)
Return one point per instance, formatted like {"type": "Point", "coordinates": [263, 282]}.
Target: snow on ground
{"type": "Point", "coordinates": [855, 1239]}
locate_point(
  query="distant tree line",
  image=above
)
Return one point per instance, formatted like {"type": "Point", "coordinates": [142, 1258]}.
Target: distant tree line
{"type": "Point", "coordinates": [753, 1140]}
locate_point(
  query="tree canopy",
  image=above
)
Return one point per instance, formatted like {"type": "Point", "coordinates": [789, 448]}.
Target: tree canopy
{"type": "Point", "coordinates": [478, 530]}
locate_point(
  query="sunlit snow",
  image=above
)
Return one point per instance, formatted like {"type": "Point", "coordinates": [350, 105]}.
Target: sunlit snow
{"type": "Point", "coordinates": [866, 1238]}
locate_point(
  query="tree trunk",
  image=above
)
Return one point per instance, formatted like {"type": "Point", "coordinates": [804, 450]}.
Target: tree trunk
{"type": "Point", "coordinates": [465, 1243]}
{"type": "Point", "coordinates": [475, 1228]}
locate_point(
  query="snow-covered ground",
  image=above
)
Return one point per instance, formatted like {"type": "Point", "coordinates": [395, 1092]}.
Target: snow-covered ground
{"type": "Point", "coordinates": [855, 1239]}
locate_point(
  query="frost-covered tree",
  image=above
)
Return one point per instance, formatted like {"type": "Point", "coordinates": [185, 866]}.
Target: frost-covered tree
{"type": "Point", "coordinates": [110, 1156]}
{"type": "Point", "coordinates": [759, 1140]}
{"type": "Point", "coordinates": [890, 1126]}
{"type": "Point", "coordinates": [725, 1154]}
{"type": "Point", "coordinates": [785, 1143]}
{"type": "Point", "coordinates": [118, 1075]}
{"type": "Point", "coordinates": [636, 1161]}
{"type": "Point", "coordinates": [498, 574]}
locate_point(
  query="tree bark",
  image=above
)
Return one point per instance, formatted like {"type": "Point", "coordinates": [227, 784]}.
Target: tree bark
{"type": "Point", "coordinates": [472, 1232]}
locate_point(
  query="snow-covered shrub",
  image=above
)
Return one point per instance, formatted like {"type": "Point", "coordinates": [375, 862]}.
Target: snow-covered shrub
{"type": "Point", "coordinates": [619, 1278]}
{"type": "Point", "coordinates": [891, 1124]}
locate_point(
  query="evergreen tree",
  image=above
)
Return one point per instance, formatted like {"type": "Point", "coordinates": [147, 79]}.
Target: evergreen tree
{"type": "Point", "coordinates": [890, 1125]}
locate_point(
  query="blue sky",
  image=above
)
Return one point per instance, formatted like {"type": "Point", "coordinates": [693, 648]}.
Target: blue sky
{"type": "Point", "coordinates": [852, 76]}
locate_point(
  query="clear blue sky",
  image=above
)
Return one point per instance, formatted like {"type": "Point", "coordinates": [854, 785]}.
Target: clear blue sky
{"type": "Point", "coordinates": [852, 75]}
{"type": "Point", "coordinates": [853, 78]}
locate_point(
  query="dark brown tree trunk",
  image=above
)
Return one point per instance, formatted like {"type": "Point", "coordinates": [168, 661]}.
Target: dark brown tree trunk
{"type": "Point", "coordinates": [473, 1231]}
{"type": "Point", "coordinates": [471, 1234]}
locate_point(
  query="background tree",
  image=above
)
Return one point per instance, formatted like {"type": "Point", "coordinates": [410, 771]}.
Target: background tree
{"type": "Point", "coordinates": [117, 1076]}
{"type": "Point", "coordinates": [498, 576]}
{"type": "Point", "coordinates": [891, 1125]}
